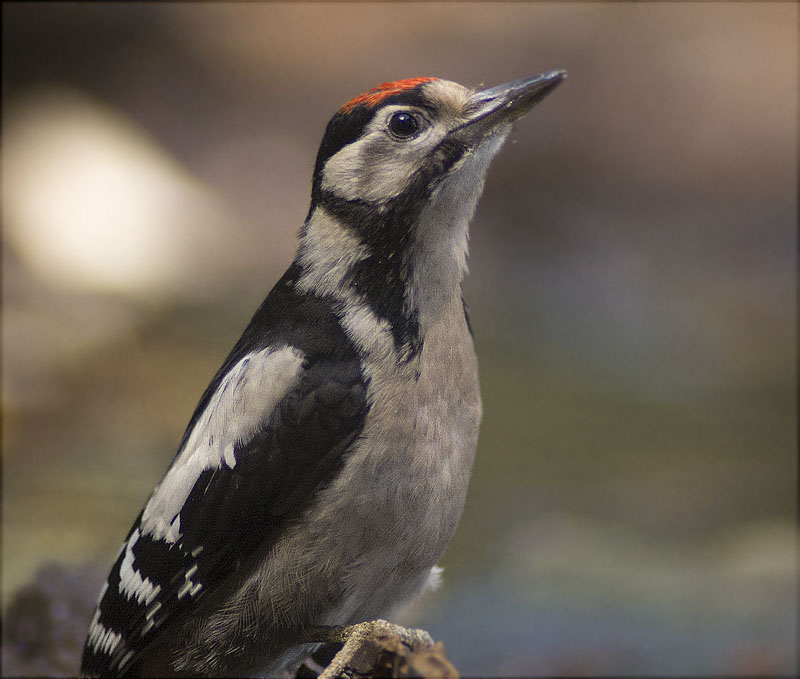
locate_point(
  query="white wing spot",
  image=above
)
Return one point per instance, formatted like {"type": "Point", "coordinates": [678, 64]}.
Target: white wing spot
{"type": "Point", "coordinates": [239, 407]}
{"type": "Point", "coordinates": [153, 610]}
{"type": "Point", "coordinates": [125, 659]}
{"type": "Point", "coordinates": [189, 587]}
{"type": "Point", "coordinates": [131, 583]}
{"type": "Point", "coordinates": [102, 640]}
{"type": "Point", "coordinates": [103, 591]}
{"type": "Point", "coordinates": [184, 590]}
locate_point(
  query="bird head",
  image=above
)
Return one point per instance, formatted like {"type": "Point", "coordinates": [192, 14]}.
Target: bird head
{"type": "Point", "coordinates": [410, 135]}
{"type": "Point", "coordinates": [396, 181]}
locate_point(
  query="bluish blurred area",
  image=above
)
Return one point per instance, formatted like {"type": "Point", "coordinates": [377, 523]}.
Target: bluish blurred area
{"type": "Point", "coordinates": [633, 509]}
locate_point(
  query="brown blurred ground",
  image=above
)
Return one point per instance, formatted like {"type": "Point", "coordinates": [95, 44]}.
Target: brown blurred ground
{"type": "Point", "coordinates": [632, 292]}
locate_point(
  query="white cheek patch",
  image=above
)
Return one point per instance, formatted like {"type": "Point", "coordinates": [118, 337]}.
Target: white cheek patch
{"type": "Point", "coordinates": [377, 168]}
{"type": "Point", "coordinates": [241, 405]}
{"type": "Point", "coordinates": [349, 174]}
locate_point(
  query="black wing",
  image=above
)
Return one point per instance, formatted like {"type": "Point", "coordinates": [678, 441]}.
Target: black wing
{"type": "Point", "coordinates": [232, 510]}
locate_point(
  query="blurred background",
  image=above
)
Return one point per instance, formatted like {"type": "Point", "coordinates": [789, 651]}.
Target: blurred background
{"type": "Point", "coordinates": [632, 292]}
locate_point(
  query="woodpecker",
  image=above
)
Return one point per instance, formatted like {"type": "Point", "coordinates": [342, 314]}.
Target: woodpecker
{"type": "Point", "coordinates": [325, 468]}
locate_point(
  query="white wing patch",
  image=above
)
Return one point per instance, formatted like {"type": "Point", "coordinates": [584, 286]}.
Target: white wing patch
{"type": "Point", "coordinates": [241, 405]}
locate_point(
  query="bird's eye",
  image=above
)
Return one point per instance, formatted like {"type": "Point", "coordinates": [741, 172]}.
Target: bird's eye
{"type": "Point", "coordinates": [404, 125]}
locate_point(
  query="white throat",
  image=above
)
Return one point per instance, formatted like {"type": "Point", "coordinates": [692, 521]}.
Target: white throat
{"type": "Point", "coordinates": [442, 241]}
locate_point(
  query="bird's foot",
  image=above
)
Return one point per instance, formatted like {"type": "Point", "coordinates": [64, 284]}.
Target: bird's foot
{"type": "Point", "coordinates": [381, 648]}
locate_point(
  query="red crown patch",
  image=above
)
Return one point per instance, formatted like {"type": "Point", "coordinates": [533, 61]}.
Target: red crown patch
{"type": "Point", "coordinates": [376, 95]}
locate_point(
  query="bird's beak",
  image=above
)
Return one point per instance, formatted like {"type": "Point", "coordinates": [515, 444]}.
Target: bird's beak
{"type": "Point", "coordinates": [506, 103]}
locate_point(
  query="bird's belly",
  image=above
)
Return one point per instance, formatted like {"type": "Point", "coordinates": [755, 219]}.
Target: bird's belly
{"type": "Point", "coordinates": [369, 539]}
{"type": "Point", "coordinates": [410, 475]}
{"type": "Point", "coordinates": [405, 517]}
